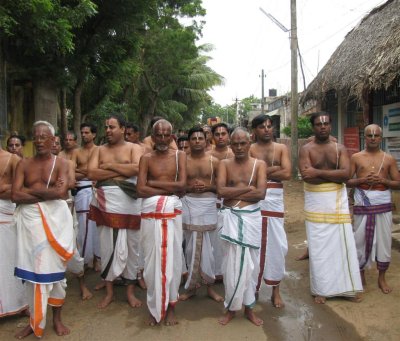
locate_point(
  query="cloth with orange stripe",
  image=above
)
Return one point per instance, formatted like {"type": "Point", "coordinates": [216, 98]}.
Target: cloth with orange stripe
{"type": "Point", "coordinates": [12, 293]}
{"type": "Point", "coordinates": [274, 245]}
{"type": "Point", "coordinates": [161, 230]}
{"type": "Point", "coordinates": [44, 246]}
{"type": "Point", "coordinates": [334, 269]}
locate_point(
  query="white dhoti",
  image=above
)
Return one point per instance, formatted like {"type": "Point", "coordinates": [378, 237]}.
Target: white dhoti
{"type": "Point", "coordinates": [373, 227]}
{"type": "Point", "coordinates": [274, 245]}
{"type": "Point", "coordinates": [218, 244]}
{"type": "Point", "coordinates": [117, 216]}
{"type": "Point", "coordinates": [241, 234]}
{"type": "Point", "coordinates": [87, 237]}
{"type": "Point", "coordinates": [199, 222]}
{"type": "Point", "coordinates": [334, 269]}
{"type": "Point", "coordinates": [161, 229]}
{"type": "Point", "coordinates": [12, 292]}
{"type": "Point", "coordinates": [44, 245]}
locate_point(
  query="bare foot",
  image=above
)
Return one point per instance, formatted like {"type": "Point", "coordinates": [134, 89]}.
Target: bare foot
{"type": "Point", "coordinates": [363, 281]}
{"type": "Point", "coordinates": [133, 301]}
{"type": "Point", "coordinates": [212, 294]}
{"type": "Point", "coordinates": [170, 319]}
{"type": "Point", "coordinates": [85, 292]}
{"type": "Point", "coordinates": [319, 299]}
{"type": "Point", "coordinates": [105, 302]}
{"type": "Point", "coordinates": [142, 283]}
{"type": "Point", "coordinates": [151, 321]}
{"type": "Point", "coordinates": [97, 264]}
{"type": "Point", "coordinates": [355, 299]}
{"type": "Point", "coordinates": [304, 256]}
{"type": "Point", "coordinates": [100, 285]}
{"type": "Point", "coordinates": [188, 294]}
{"type": "Point", "coordinates": [60, 328]}
{"type": "Point", "coordinates": [224, 320]}
{"type": "Point", "coordinates": [252, 317]}
{"type": "Point", "coordinates": [24, 332]}
{"type": "Point", "coordinates": [276, 298]}
{"type": "Point", "coordinates": [385, 288]}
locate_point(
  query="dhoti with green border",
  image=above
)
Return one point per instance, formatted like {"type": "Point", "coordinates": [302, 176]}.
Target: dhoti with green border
{"type": "Point", "coordinates": [241, 235]}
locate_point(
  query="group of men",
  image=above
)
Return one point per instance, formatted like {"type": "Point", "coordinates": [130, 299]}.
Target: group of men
{"type": "Point", "coordinates": [216, 211]}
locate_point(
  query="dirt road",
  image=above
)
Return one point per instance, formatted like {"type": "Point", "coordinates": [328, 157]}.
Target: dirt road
{"type": "Point", "coordinates": [375, 318]}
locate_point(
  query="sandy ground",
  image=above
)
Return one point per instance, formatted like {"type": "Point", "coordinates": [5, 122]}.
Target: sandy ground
{"type": "Point", "coordinates": [375, 318]}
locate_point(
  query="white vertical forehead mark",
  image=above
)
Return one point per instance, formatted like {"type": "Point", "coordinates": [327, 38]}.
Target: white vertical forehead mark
{"type": "Point", "coordinates": [373, 133]}
{"type": "Point", "coordinates": [323, 119]}
{"type": "Point", "coordinates": [220, 129]}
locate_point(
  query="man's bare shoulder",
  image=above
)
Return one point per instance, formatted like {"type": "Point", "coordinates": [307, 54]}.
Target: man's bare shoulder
{"type": "Point", "coordinates": [280, 146]}
{"type": "Point", "coordinates": [358, 155]}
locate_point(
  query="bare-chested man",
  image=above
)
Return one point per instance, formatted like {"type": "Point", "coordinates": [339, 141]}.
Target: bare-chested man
{"type": "Point", "coordinates": [274, 243]}
{"type": "Point", "coordinates": [116, 209]}
{"type": "Point", "coordinates": [148, 140]}
{"type": "Point", "coordinates": [241, 182]}
{"type": "Point", "coordinates": [12, 294]}
{"type": "Point", "coordinates": [209, 137]}
{"type": "Point", "coordinates": [325, 166]}
{"type": "Point", "coordinates": [44, 230]}
{"type": "Point", "coordinates": [70, 144]}
{"type": "Point", "coordinates": [373, 174]}
{"type": "Point", "coordinates": [221, 151]}
{"type": "Point", "coordinates": [183, 144]}
{"type": "Point", "coordinates": [88, 238]}
{"type": "Point", "coordinates": [132, 134]}
{"type": "Point", "coordinates": [199, 216]}
{"type": "Point", "coordinates": [162, 178]}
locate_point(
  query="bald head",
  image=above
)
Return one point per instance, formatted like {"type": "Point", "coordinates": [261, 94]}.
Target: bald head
{"type": "Point", "coordinates": [161, 124]}
{"type": "Point", "coordinates": [373, 129]}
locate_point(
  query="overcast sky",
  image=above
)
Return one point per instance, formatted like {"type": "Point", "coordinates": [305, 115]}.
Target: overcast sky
{"type": "Point", "coordinates": [246, 41]}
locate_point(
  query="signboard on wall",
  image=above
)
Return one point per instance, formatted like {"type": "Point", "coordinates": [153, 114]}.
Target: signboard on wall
{"type": "Point", "coordinates": [351, 139]}
{"type": "Point", "coordinates": [391, 120]}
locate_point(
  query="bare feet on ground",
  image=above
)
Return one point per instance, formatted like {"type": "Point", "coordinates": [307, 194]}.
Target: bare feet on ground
{"type": "Point", "coordinates": [85, 292]}
{"type": "Point", "coordinates": [105, 301]}
{"type": "Point", "coordinates": [319, 299]}
{"type": "Point", "coordinates": [252, 317]}
{"type": "Point", "coordinates": [97, 264]}
{"type": "Point", "coordinates": [170, 319]}
{"type": "Point", "coordinates": [304, 256]}
{"type": "Point", "coordinates": [188, 294]}
{"type": "Point", "coordinates": [100, 286]}
{"type": "Point", "coordinates": [60, 328]}
{"type": "Point", "coordinates": [151, 321]}
{"type": "Point", "coordinates": [133, 301]}
{"type": "Point", "coordinates": [24, 332]}
{"type": "Point", "coordinates": [355, 299]}
{"type": "Point", "coordinates": [213, 295]}
{"type": "Point", "coordinates": [276, 298]}
{"type": "Point", "coordinates": [386, 289]}
{"type": "Point", "coordinates": [224, 320]}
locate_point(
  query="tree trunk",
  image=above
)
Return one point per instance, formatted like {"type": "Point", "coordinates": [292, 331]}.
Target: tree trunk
{"type": "Point", "coordinates": [145, 128]}
{"type": "Point", "coordinates": [45, 101]}
{"type": "Point", "coordinates": [77, 110]}
{"type": "Point", "coordinates": [63, 120]}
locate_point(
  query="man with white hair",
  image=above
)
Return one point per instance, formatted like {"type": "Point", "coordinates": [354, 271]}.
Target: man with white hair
{"type": "Point", "coordinates": [44, 230]}
{"type": "Point", "coordinates": [241, 182]}
{"type": "Point", "coordinates": [374, 174]}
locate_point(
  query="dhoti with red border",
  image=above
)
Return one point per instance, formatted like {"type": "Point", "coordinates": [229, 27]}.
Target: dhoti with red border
{"type": "Point", "coordinates": [161, 230]}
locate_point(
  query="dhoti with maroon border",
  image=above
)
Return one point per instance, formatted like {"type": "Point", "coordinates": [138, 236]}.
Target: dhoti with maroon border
{"type": "Point", "coordinates": [334, 269]}
{"type": "Point", "coordinates": [373, 226]}
{"type": "Point", "coordinates": [12, 293]}
{"type": "Point", "coordinates": [274, 245]}
{"type": "Point", "coordinates": [161, 230]}
{"type": "Point", "coordinates": [199, 221]}
{"type": "Point", "coordinates": [117, 216]}
{"type": "Point", "coordinates": [45, 244]}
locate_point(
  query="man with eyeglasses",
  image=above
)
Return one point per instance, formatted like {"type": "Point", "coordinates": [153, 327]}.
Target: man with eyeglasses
{"type": "Point", "coordinates": [324, 166]}
{"type": "Point", "coordinates": [373, 174]}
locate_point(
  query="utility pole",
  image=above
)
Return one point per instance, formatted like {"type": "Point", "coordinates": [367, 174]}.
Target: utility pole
{"type": "Point", "coordinates": [237, 112]}
{"type": "Point", "coordinates": [294, 90]}
{"type": "Point", "coordinates": [262, 92]}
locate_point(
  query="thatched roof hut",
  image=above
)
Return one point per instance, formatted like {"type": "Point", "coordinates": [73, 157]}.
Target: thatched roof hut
{"type": "Point", "coordinates": [368, 58]}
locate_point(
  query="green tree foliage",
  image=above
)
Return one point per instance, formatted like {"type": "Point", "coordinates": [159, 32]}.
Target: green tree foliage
{"type": "Point", "coordinates": [304, 128]}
